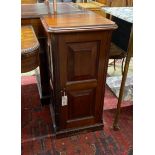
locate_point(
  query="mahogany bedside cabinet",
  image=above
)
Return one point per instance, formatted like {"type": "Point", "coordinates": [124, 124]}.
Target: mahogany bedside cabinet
{"type": "Point", "coordinates": [78, 60]}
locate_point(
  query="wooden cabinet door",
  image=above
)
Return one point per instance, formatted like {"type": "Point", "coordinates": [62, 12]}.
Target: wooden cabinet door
{"type": "Point", "coordinates": [83, 61]}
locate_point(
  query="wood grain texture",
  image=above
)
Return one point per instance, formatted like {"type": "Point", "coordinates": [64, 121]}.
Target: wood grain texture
{"type": "Point", "coordinates": [103, 1]}
{"type": "Point", "coordinates": [30, 15]}
{"type": "Point", "coordinates": [36, 24]}
{"type": "Point", "coordinates": [39, 9]}
{"type": "Point", "coordinates": [80, 63]}
{"type": "Point", "coordinates": [29, 41]}
{"type": "Point", "coordinates": [86, 21]}
{"type": "Point", "coordinates": [28, 1]}
{"type": "Point", "coordinates": [116, 3]}
{"type": "Point", "coordinates": [29, 49]}
{"type": "Point", "coordinates": [93, 6]}
{"type": "Point", "coordinates": [121, 3]}
{"type": "Point", "coordinates": [76, 49]}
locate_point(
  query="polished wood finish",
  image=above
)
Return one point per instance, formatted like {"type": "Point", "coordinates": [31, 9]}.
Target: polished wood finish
{"type": "Point", "coordinates": [37, 26]}
{"type": "Point", "coordinates": [75, 48]}
{"type": "Point", "coordinates": [92, 6]}
{"type": "Point", "coordinates": [28, 1]}
{"type": "Point", "coordinates": [32, 11]}
{"type": "Point", "coordinates": [29, 41]}
{"type": "Point", "coordinates": [76, 22]}
{"type": "Point", "coordinates": [29, 49]}
{"type": "Point", "coordinates": [128, 2]}
{"type": "Point", "coordinates": [116, 3]}
{"type": "Point", "coordinates": [102, 1]}
{"type": "Point", "coordinates": [78, 59]}
{"type": "Point", "coordinates": [120, 3]}
{"type": "Point", "coordinates": [30, 15]}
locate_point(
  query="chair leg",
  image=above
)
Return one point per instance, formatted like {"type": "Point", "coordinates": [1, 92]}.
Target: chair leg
{"type": "Point", "coordinates": [122, 66]}
{"type": "Point", "coordinates": [124, 77]}
{"type": "Point", "coordinates": [114, 64]}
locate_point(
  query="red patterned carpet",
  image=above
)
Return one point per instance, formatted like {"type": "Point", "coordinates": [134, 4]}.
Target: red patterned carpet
{"type": "Point", "coordinates": [36, 129]}
{"type": "Point", "coordinates": [111, 100]}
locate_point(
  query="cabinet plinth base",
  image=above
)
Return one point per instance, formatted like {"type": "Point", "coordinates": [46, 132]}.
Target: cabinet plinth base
{"type": "Point", "coordinates": [75, 131]}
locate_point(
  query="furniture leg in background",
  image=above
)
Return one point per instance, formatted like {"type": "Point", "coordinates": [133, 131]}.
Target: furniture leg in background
{"type": "Point", "coordinates": [42, 76]}
{"type": "Point", "coordinates": [125, 14]}
{"type": "Point", "coordinates": [127, 62]}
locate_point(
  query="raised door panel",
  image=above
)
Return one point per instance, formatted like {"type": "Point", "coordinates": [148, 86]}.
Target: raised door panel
{"type": "Point", "coordinates": [81, 61]}
{"type": "Point", "coordinates": [80, 104]}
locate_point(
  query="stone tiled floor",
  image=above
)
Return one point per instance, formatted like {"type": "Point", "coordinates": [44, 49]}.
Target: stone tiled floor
{"type": "Point", "coordinates": [117, 72]}
{"type": "Point", "coordinates": [114, 78]}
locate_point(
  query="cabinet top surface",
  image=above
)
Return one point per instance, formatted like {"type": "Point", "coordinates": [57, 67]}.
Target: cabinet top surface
{"type": "Point", "coordinates": [29, 41]}
{"type": "Point", "coordinates": [76, 22]}
{"type": "Point", "coordinates": [39, 9]}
